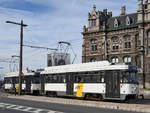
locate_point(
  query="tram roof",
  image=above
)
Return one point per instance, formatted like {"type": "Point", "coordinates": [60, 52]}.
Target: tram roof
{"type": "Point", "coordinates": [84, 67]}
{"type": "Point", "coordinates": [15, 74]}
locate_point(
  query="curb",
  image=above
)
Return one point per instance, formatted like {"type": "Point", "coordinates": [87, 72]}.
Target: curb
{"type": "Point", "coordinates": [86, 103]}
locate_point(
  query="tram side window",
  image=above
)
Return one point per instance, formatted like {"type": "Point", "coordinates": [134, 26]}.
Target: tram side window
{"type": "Point", "coordinates": [10, 80]}
{"type": "Point", "coordinates": [55, 79]}
{"type": "Point", "coordinates": [23, 80]}
{"type": "Point", "coordinates": [95, 78]}
{"type": "Point", "coordinates": [87, 78]}
{"type": "Point", "coordinates": [7, 80]}
{"type": "Point", "coordinates": [90, 77]}
{"type": "Point", "coordinates": [60, 78]}
{"type": "Point", "coordinates": [79, 79]}
{"type": "Point", "coordinates": [50, 79]}
{"type": "Point", "coordinates": [13, 80]}
{"type": "Point", "coordinates": [16, 80]}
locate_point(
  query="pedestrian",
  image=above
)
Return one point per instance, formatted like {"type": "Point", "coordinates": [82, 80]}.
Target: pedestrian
{"type": "Point", "coordinates": [15, 90]}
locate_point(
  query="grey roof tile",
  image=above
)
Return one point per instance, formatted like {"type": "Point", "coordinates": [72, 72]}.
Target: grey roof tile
{"type": "Point", "coordinates": [122, 20]}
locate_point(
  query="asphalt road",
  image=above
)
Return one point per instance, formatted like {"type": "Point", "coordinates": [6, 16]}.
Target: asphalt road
{"type": "Point", "coordinates": [24, 106]}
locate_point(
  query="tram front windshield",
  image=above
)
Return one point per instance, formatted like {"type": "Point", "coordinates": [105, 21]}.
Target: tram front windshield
{"type": "Point", "coordinates": [129, 77]}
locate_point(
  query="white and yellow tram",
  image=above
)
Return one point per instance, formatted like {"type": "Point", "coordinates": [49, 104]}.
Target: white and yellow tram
{"type": "Point", "coordinates": [100, 79]}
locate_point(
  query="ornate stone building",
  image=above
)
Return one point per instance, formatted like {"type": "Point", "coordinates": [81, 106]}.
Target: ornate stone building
{"type": "Point", "coordinates": [121, 39]}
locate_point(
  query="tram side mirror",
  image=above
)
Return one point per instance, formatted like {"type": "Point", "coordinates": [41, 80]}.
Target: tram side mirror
{"type": "Point", "coordinates": [102, 79]}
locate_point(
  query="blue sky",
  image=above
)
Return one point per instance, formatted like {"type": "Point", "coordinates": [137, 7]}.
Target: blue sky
{"type": "Point", "coordinates": [49, 21]}
{"type": "Point", "coordinates": [25, 5]}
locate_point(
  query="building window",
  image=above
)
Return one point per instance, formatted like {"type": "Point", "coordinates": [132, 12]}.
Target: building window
{"type": "Point", "coordinates": [115, 59]}
{"type": "Point", "coordinates": [127, 41]}
{"type": "Point", "coordinates": [93, 22]}
{"type": "Point", "coordinates": [93, 60]}
{"type": "Point", "coordinates": [148, 42]}
{"type": "Point", "coordinates": [93, 45]}
{"type": "Point", "coordinates": [136, 40]}
{"type": "Point", "coordinates": [127, 59]}
{"type": "Point", "coordinates": [116, 23]}
{"type": "Point", "coordinates": [115, 43]}
{"type": "Point", "coordinates": [128, 22]}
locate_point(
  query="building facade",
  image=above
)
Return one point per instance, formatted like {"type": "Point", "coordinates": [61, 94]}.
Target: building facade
{"type": "Point", "coordinates": [121, 39]}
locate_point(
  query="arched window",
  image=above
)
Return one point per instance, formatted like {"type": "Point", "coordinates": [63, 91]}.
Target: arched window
{"type": "Point", "coordinates": [115, 43]}
{"type": "Point", "coordinates": [127, 59]}
{"type": "Point", "coordinates": [94, 45]}
{"type": "Point", "coordinates": [116, 23]}
{"type": "Point", "coordinates": [128, 22]}
{"type": "Point", "coordinates": [115, 59]}
{"type": "Point", "coordinates": [93, 59]}
{"type": "Point", "coordinates": [127, 41]}
{"type": "Point", "coordinates": [148, 42]}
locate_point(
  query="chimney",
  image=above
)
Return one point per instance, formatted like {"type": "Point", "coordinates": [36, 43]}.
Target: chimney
{"type": "Point", "coordinates": [105, 11]}
{"type": "Point", "coordinates": [94, 7]}
{"type": "Point", "coordinates": [123, 10]}
{"type": "Point", "coordinates": [84, 28]}
{"type": "Point", "coordinates": [110, 14]}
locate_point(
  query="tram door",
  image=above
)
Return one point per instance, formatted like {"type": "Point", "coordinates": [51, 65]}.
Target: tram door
{"type": "Point", "coordinates": [28, 83]}
{"type": "Point", "coordinates": [42, 81]}
{"type": "Point", "coordinates": [112, 79]}
{"type": "Point", "coordinates": [69, 81]}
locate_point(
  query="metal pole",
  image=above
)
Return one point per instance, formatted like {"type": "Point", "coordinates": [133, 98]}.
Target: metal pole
{"type": "Point", "coordinates": [21, 52]}
{"type": "Point", "coordinates": [21, 60]}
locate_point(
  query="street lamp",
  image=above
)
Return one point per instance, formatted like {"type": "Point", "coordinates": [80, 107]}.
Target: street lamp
{"type": "Point", "coordinates": [15, 56]}
{"type": "Point", "coordinates": [21, 49]}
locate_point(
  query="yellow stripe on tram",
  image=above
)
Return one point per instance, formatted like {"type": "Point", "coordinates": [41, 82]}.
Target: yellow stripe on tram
{"type": "Point", "coordinates": [18, 86]}
{"type": "Point", "coordinates": [79, 90]}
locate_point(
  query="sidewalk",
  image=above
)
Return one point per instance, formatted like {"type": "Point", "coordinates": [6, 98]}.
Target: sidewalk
{"type": "Point", "coordinates": [97, 104]}
{"type": "Point", "coordinates": [145, 93]}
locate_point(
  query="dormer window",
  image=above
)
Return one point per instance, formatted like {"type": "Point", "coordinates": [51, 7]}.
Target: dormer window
{"type": "Point", "coordinates": [128, 21]}
{"type": "Point", "coordinates": [116, 23]}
